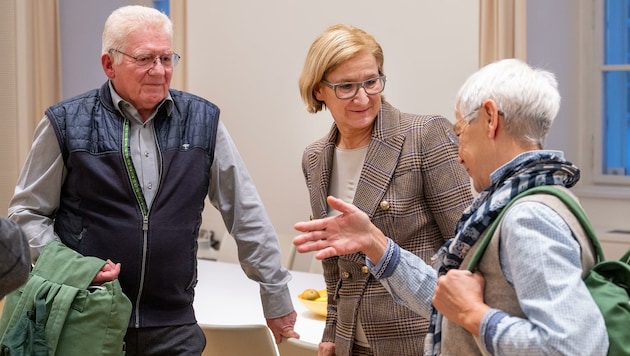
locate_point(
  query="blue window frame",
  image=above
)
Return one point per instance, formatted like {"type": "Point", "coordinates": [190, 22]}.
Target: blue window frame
{"type": "Point", "coordinates": [616, 88]}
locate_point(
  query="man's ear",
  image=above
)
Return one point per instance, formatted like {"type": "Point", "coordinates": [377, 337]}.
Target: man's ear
{"type": "Point", "coordinates": [108, 65]}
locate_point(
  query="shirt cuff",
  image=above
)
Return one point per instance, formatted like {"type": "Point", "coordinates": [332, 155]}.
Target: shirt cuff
{"type": "Point", "coordinates": [387, 264]}
{"type": "Point", "coordinates": [488, 328]}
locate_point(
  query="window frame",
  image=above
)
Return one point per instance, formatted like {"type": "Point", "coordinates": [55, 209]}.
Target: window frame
{"type": "Point", "coordinates": [594, 101]}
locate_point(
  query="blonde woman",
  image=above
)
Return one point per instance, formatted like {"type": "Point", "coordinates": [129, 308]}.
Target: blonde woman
{"type": "Point", "coordinates": [401, 169]}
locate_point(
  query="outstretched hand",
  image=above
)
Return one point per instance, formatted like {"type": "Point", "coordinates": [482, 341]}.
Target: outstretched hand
{"type": "Point", "coordinates": [349, 232]}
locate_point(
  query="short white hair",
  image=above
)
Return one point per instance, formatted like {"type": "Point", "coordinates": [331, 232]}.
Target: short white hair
{"type": "Point", "coordinates": [527, 97]}
{"type": "Point", "coordinates": [127, 19]}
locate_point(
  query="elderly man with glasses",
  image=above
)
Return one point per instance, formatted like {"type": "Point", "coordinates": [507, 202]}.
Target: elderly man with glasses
{"type": "Point", "coordinates": [122, 172]}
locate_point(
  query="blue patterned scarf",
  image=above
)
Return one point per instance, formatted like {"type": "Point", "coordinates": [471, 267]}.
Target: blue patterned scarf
{"type": "Point", "coordinates": [539, 168]}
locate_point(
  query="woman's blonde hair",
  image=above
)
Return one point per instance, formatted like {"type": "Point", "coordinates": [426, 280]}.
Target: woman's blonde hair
{"type": "Point", "coordinates": [337, 44]}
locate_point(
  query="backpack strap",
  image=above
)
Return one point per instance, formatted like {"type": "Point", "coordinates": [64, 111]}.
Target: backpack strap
{"type": "Point", "coordinates": [59, 310]}
{"type": "Point", "coordinates": [21, 301]}
{"type": "Point", "coordinates": [573, 206]}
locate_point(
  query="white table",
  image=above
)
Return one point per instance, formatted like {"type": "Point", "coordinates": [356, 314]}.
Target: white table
{"type": "Point", "coordinates": [225, 296]}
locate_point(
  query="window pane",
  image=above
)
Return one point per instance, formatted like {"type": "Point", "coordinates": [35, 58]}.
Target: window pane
{"type": "Point", "coordinates": [616, 129]}
{"type": "Point", "coordinates": [616, 32]}
{"type": "Point", "coordinates": [616, 87]}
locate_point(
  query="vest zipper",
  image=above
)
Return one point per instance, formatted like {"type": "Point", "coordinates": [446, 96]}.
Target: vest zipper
{"type": "Point", "coordinates": [133, 178]}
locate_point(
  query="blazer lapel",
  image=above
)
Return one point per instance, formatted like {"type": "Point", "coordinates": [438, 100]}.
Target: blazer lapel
{"type": "Point", "coordinates": [381, 160]}
{"type": "Point", "coordinates": [322, 165]}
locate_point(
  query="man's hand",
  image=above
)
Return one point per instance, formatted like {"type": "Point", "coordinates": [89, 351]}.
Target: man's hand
{"type": "Point", "coordinates": [283, 326]}
{"type": "Point", "coordinates": [109, 272]}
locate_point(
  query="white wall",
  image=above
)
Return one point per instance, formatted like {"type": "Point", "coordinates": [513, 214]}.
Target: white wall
{"type": "Point", "coordinates": [557, 50]}
{"type": "Point", "coordinates": [246, 56]}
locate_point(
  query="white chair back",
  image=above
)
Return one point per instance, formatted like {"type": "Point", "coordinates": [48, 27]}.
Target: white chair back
{"type": "Point", "coordinates": [296, 347]}
{"type": "Point", "coordinates": [238, 340]}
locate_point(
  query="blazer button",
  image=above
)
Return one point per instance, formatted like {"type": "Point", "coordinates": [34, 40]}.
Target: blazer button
{"type": "Point", "coordinates": [345, 275]}
{"type": "Point", "coordinates": [311, 218]}
{"type": "Point", "coordinates": [385, 205]}
{"type": "Point", "coordinates": [365, 270]}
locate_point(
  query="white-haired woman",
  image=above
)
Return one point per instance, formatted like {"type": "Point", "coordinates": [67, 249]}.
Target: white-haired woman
{"type": "Point", "coordinates": [528, 296]}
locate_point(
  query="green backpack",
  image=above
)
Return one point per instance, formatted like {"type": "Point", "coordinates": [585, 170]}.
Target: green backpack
{"type": "Point", "coordinates": [57, 312]}
{"type": "Point", "coordinates": [607, 281]}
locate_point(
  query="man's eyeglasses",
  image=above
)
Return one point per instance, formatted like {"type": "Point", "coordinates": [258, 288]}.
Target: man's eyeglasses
{"type": "Point", "coordinates": [349, 90]}
{"type": "Point", "coordinates": [168, 60]}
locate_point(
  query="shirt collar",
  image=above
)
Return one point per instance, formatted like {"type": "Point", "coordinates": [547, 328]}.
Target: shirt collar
{"type": "Point", "coordinates": [117, 100]}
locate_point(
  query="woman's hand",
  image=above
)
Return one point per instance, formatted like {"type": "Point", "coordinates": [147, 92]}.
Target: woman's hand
{"type": "Point", "coordinates": [349, 232]}
{"type": "Point", "coordinates": [459, 297]}
{"type": "Point", "coordinates": [326, 349]}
